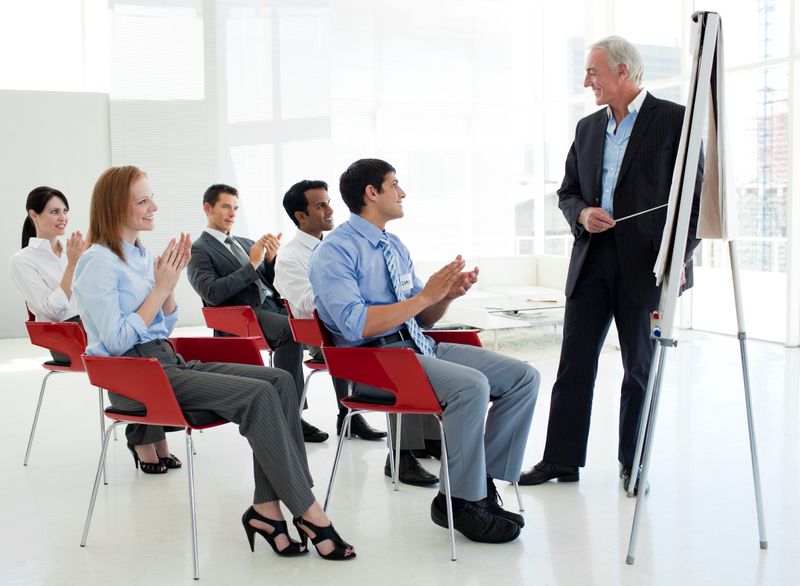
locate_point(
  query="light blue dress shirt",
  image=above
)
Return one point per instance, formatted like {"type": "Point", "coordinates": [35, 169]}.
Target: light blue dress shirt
{"type": "Point", "coordinates": [348, 274]}
{"type": "Point", "coordinates": [614, 150]}
{"type": "Point", "coordinates": [108, 293]}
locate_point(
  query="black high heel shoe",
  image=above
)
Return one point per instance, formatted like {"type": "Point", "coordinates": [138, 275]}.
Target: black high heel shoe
{"type": "Point", "coordinates": [147, 467]}
{"type": "Point", "coordinates": [278, 527]}
{"type": "Point", "coordinates": [321, 534]}
{"type": "Point", "coordinates": [171, 461]}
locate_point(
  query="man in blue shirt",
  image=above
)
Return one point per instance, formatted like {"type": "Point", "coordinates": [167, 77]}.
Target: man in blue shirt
{"type": "Point", "coordinates": [367, 294]}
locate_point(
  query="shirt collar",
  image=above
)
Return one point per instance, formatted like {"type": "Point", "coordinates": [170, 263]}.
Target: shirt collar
{"type": "Point", "coordinates": [634, 106]}
{"type": "Point", "coordinates": [37, 242]}
{"type": "Point", "coordinates": [367, 229]}
{"type": "Point", "coordinates": [307, 240]}
{"type": "Point", "coordinates": [221, 236]}
{"type": "Point", "coordinates": [136, 248]}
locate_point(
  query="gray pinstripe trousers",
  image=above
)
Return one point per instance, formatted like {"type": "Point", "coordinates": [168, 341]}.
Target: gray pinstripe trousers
{"type": "Point", "coordinates": [261, 400]}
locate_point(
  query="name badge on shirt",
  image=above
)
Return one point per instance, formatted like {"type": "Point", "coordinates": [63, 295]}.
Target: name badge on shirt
{"type": "Point", "coordinates": [405, 282]}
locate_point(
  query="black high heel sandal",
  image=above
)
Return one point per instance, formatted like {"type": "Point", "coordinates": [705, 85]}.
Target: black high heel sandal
{"type": "Point", "coordinates": [147, 467]}
{"type": "Point", "coordinates": [323, 533]}
{"type": "Point", "coordinates": [279, 528]}
{"type": "Point", "coordinates": [171, 462]}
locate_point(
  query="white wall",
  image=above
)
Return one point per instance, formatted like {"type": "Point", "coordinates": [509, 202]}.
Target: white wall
{"type": "Point", "coordinates": [59, 139]}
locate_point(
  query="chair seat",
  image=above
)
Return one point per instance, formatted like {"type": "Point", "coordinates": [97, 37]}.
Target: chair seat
{"type": "Point", "coordinates": [198, 419]}
{"type": "Point", "coordinates": [381, 405]}
{"type": "Point", "coordinates": [315, 364]}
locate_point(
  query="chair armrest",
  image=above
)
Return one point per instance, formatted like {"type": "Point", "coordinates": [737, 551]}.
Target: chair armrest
{"type": "Point", "coordinates": [466, 337]}
{"type": "Point", "coordinates": [233, 350]}
{"type": "Point", "coordinates": [396, 370]}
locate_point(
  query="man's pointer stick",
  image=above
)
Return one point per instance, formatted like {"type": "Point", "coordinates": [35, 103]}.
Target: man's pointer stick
{"type": "Point", "coordinates": [617, 220]}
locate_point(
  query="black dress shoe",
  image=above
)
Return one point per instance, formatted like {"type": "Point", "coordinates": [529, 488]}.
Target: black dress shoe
{"type": "Point", "coordinates": [359, 428]}
{"type": "Point", "coordinates": [625, 474]}
{"type": "Point", "coordinates": [544, 471]}
{"type": "Point", "coordinates": [433, 449]}
{"type": "Point", "coordinates": [476, 523]}
{"type": "Point", "coordinates": [494, 504]}
{"type": "Point", "coordinates": [312, 434]}
{"type": "Point", "coordinates": [411, 471]}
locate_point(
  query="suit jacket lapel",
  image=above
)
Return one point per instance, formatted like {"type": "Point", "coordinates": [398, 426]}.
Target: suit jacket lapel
{"type": "Point", "coordinates": [221, 249]}
{"type": "Point", "coordinates": [595, 149]}
{"type": "Point", "coordinates": [643, 119]}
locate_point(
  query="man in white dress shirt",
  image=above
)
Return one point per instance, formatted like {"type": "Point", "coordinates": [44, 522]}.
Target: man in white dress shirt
{"type": "Point", "coordinates": [308, 205]}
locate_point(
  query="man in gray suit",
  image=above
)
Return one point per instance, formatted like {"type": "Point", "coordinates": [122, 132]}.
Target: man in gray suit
{"type": "Point", "coordinates": [230, 270]}
{"type": "Point", "coordinates": [366, 292]}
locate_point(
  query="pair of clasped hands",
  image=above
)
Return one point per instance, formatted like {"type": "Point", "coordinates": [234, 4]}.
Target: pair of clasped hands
{"type": "Point", "coordinates": [450, 282]}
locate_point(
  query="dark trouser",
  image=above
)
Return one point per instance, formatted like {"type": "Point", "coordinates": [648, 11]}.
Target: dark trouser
{"type": "Point", "coordinates": [262, 401]}
{"type": "Point", "coordinates": [599, 296]}
{"type": "Point", "coordinates": [288, 353]}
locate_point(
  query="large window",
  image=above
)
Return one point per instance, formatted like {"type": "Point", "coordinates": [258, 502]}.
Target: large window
{"type": "Point", "coordinates": [474, 101]}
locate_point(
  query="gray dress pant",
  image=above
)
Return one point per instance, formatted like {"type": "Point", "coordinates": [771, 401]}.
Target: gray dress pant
{"type": "Point", "coordinates": [467, 380]}
{"type": "Point", "coordinates": [261, 401]}
{"type": "Point", "coordinates": [288, 354]}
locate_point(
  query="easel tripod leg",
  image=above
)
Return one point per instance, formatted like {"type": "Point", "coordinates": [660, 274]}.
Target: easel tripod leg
{"type": "Point", "coordinates": [647, 452]}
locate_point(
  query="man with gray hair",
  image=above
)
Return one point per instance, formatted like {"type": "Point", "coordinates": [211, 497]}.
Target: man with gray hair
{"type": "Point", "coordinates": [620, 163]}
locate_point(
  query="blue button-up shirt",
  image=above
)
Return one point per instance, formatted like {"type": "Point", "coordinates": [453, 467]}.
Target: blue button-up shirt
{"type": "Point", "coordinates": [108, 292]}
{"type": "Point", "coordinates": [348, 274]}
{"type": "Point", "coordinates": [614, 150]}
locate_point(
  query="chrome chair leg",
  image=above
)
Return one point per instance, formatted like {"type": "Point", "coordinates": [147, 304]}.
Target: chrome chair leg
{"type": "Point", "coordinates": [192, 504]}
{"type": "Point", "coordinates": [305, 389]}
{"type": "Point", "coordinates": [100, 466]}
{"type": "Point", "coordinates": [519, 497]}
{"type": "Point", "coordinates": [339, 444]}
{"type": "Point", "coordinates": [102, 430]}
{"type": "Point", "coordinates": [36, 416]}
{"type": "Point", "coordinates": [390, 445]}
{"type": "Point", "coordinates": [396, 471]}
{"type": "Point", "coordinates": [446, 480]}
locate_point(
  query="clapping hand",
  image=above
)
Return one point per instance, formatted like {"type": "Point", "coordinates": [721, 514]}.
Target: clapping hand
{"type": "Point", "coordinates": [464, 282]}
{"type": "Point", "coordinates": [76, 246]}
{"type": "Point", "coordinates": [169, 265]}
{"type": "Point", "coordinates": [443, 281]}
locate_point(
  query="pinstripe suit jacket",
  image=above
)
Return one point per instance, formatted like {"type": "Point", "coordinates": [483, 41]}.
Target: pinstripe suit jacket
{"type": "Point", "coordinates": [220, 279]}
{"type": "Point", "coordinates": [644, 182]}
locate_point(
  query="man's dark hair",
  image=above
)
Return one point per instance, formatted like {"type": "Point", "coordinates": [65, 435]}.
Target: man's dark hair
{"type": "Point", "coordinates": [355, 179]}
{"type": "Point", "coordinates": [211, 196]}
{"type": "Point", "coordinates": [295, 199]}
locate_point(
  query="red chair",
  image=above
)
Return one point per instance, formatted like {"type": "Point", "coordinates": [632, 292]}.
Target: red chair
{"type": "Point", "coordinates": [69, 339]}
{"type": "Point", "coordinates": [237, 320]}
{"type": "Point", "coordinates": [143, 380]}
{"type": "Point", "coordinates": [306, 331]}
{"type": "Point", "coordinates": [398, 371]}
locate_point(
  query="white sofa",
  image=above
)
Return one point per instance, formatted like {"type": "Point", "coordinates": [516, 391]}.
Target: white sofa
{"type": "Point", "coordinates": [511, 292]}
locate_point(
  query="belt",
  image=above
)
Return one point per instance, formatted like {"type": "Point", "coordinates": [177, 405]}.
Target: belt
{"type": "Point", "coordinates": [398, 336]}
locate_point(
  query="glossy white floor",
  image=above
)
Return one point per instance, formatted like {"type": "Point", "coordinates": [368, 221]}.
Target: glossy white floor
{"type": "Point", "coordinates": [699, 526]}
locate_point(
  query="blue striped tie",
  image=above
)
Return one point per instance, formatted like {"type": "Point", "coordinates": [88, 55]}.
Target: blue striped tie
{"type": "Point", "coordinates": [419, 338]}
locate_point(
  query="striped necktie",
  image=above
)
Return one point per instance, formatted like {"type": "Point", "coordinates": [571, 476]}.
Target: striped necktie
{"type": "Point", "coordinates": [419, 338]}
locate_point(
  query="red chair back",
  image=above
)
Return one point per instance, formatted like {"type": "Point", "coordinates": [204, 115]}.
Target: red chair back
{"type": "Point", "coordinates": [305, 330]}
{"type": "Point", "coordinates": [139, 379]}
{"type": "Point", "coordinates": [233, 350]}
{"type": "Point", "coordinates": [66, 338]}
{"type": "Point", "coordinates": [236, 320]}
